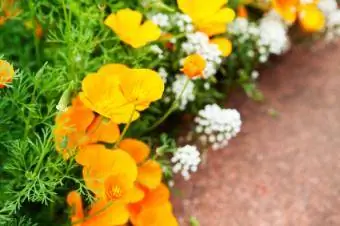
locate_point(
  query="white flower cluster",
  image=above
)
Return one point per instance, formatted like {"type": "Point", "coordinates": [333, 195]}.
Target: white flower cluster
{"type": "Point", "coordinates": [273, 33]}
{"type": "Point", "coordinates": [183, 22]}
{"type": "Point", "coordinates": [217, 125]}
{"type": "Point", "coordinates": [186, 159]}
{"type": "Point", "coordinates": [178, 20]}
{"type": "Point", "coordinates": [187, 95]}
{"type": "Point", "coordinates": [242, 27]}
{"type": "Point", "coordinates": [198, 43]}
{"type": "Point", "coordinates": [245, 31]}
{"type": "Point", "coordinates": [161, 19]}
{"type": "Point", "coordinates": [332, 14]}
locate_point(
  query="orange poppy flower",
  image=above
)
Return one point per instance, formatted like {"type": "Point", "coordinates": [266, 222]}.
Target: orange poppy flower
{"type": "Point", "coordinates": [210, 17]}
{"type": "Point", "coordinates": [126, 23]}
{"type": "Point", "coordinates": [150, 171]}
{"type": "Point", "coordinates": [150, 174]}
{"type": "Point", "coordinates": [104, 213]}
{"type": "Point", "coordinates": [161, 215]}
{"type": "Point", "coordinates": [193, 66]}
{"type": "Point", "coordinates": [79, 126]}
{"type": "Point", "coordinates": [101, 213]}
{"type": "Point", "coordinates": [74, 201]}
{"type": "Point", "coordinates": [70, 130]}
{"type": "Point", "coordinates": [287, 9]}
{"type": "Point", "coordinates": [138, 150]}
{"type": "Point", "coordinates": [154, 209]}
{"type": "Point", "coordinates": [6, 73]}
{"type": "Point", "coordinates": [224, 45]}
{"type": "Point", "coordinates": [110, 174]}
{"type": "Point", "coordinates": [123, 93]}
{"type": "Point", "coordinates": [103, 129]}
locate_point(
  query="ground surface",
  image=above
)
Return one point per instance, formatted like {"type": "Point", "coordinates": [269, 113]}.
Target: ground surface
{"type": "Point", "coordinates": [282, 171]}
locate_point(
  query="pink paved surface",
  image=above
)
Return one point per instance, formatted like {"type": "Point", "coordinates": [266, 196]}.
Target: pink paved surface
{"type": "Point", "coordinates": [278, 171]}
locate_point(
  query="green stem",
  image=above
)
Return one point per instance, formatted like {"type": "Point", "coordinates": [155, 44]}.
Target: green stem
{"type": "Point", "coordinates": [125, 128]}
{"type": "Point", "coordinates": [34, 25]}
{"type": "Point", "coordinates": [40, 161]}
{"type": "Point", "coordinates": [172, 108]}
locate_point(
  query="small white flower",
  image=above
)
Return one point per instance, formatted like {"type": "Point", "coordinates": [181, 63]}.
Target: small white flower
{"type": "Point", "coordinates": [187, 95]}
{"type": "Point", "coordinates": [254, 75]}
{"type": "Point", "coordinates": [163, 73]}
{"type": "Point", "coordinates": [328, 6]}
{"type": "Point", "coordinates": [251, 53]}
{"type": "Point", "coordinates": [273, 33]}
{"type": "Point", "coordinates": [161, 19]}
{"type": "Point", "coordinates": [157, 50]}
{"type": "Point", "coordinates": [206, 85]}
{"type": "Point", "coordinates": [186, 160]}
{"type": "Point", "coordinates": [220, 125]}
{"type": "Point", "coordinates": [171, 183]}
{"type": "Point", "coordinates": [199, 129]}
{"type": "Point", "coordinates": [263, 58]}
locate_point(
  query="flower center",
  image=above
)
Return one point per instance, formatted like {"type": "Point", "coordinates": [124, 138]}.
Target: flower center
{"type": "Point", "coordinates": [114, 192]}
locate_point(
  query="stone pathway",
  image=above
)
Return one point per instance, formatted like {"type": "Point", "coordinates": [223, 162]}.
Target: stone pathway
{"type": "Point", "coordinates": [283, 170]}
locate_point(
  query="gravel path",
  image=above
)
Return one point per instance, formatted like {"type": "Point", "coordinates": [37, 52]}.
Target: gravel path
{"type": "Point", "coordinates": [283, 170]}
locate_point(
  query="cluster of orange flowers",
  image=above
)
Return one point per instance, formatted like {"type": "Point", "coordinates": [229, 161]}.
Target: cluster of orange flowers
{"type": "Point", "coordinates": [309, 15]}
{"type": "Point", "coordinates": [126, 182]}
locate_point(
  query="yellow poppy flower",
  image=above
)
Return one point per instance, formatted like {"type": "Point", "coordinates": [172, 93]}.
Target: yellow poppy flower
{"type": "Point", "coordinates": [224, 45]}
{"type": "Point", "coordinates": [193, 65]}
{"type": "Point", "coordinates": [126, 23]}
{"type": "Point", "coordinates": [108, 101]}
{"type": "Point", "coordinates": [210, 17]}
{"type": "Point", "coordinates": [311, 18]}
{"type": "Point", "coordinates": [6, 73]}
{"type": "Point", "coordinates": [123, 91]}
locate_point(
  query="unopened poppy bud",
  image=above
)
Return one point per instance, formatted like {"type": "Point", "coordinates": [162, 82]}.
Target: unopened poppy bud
{"type": "Point", "coordinates": [193, 66]}
{"type": "Point", "coordinates": [242, 11]}
{"type": "Point", "coordinates": [64, 100]}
